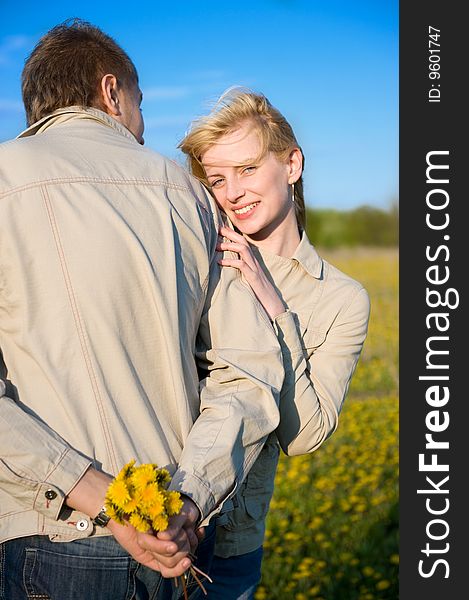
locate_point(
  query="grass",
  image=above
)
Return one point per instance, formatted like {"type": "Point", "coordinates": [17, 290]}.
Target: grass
{"type": "Point", "coordinates": [332, 530]}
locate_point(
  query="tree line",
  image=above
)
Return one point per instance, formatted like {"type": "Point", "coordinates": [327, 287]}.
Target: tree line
{"type": "Point", "coordinates": [362, 226]}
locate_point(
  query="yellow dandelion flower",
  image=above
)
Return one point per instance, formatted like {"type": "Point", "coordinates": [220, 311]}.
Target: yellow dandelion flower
{"type": "Point", "coordinates": [368, 571]}
{"type": "Point", "coordinates": [173, 503]}
{"type": "Point", "coordinates": [383, 584]}
{"type": "Point", "coordinates": [114, 513]}
{"type": "Point", "coordinates": [316, 522]}
{"type": "Point", "coordinates": [150, 495]}
{"type": "Point", "coordinates": [155, 510]}
{"type": "Point", "coordinates": [314, 591]}
{"type": "Point", "coordinates": [162, 476]}
{"type": "Point", "coordinates": [118, 493]}
{"type": "Point", "coordinates": [130, 506]}
{"type": "Point", "coordinates": [394, 559]}
{"type": "Point", "coordinates": [138, 522]}
{"type": "Point", "coordinates": [261, 593]}
{"type": "Point", "coordinates": [126, 470]}
{"type": "Point", "coordinates": [160, 523]}
{"type": "Point", "coordinates": [142, 476]}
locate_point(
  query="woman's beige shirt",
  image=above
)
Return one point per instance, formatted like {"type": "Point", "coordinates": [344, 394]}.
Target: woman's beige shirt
{"type": "Point", "coordinates": [321, 336]}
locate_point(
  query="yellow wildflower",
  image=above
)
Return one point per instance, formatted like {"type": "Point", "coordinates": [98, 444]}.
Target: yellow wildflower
{"type": "Point", "coordinates": [126, 470]}
{"type": "Point", "coordinates": [162, 476]}
{"type": "Point", "coordinates": [383, 584]}
{"type": "Point", "coordinates": [114, 513]}
{"type": "Point", "coordinates": [160, 523]}
{"type": "Point", "coordinates": [142, 476]}
{"type": "Point", "coordinates": [173, 503]}
{"type": "Point", "coordinates": [118, 493]}
{"type": "Point", "coordinates": [151, 496]}
{"type": "Point", "coordinates": [130, 506]}
{"type": "Point", "coordinates": [155, 511]}
{"type": "Point", "coordinates": [138, 522]}
{"type": "Point", "coordinates": [314, 591]}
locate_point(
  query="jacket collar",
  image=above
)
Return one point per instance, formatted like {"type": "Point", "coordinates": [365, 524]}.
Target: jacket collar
{"type": "Point", "coordinates": [305, 254]}
{"type": "Point", "coordinates": [62, 115]}
{"type": "Point", "coordinates": [308, 258]}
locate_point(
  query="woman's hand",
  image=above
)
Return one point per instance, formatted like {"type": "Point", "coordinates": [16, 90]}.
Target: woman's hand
{"type": "Point", "coordinates": [252, 271]}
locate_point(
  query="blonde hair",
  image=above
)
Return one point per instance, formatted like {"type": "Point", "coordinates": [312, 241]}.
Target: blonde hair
{"type": "Point", "coordinates": [235, 106]}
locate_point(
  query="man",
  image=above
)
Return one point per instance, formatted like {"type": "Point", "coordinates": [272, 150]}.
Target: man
{"type": "Point", "coordinates": [109, 288]}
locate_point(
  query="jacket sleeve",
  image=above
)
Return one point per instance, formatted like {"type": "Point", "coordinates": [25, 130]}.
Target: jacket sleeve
{"type": "Point", "coordinates": [238, 350]}
{"type": "Point", "coordinates": [316, 382]}
{"type": "Point", "coordinates": [35, 460]}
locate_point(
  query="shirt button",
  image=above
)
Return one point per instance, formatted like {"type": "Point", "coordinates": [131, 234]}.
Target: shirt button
{"type": "Point", "coordinates": [50, 495]}
{"type": "Point", "coordinates": [82, 525]}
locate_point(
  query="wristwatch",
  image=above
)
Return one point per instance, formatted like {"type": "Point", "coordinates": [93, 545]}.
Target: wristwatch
{"type": "Point", "coordinates": [102, 518]}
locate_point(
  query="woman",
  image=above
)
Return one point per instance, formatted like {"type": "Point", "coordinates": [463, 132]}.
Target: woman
{"type": "Point", "coordinates": [247, 154]}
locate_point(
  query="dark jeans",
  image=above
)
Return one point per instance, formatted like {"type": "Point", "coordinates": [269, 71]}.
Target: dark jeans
{"type": "Point", "coordinates": [34, 568]}
{"type": "Point", "coordinates": [234, 578]}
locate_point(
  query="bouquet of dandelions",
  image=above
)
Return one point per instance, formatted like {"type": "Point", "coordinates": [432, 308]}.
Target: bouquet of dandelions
{"type": "Point", "coordinates": [139, 496]}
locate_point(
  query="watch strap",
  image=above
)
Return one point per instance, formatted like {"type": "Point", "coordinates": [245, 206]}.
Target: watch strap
{"type": "Point", "coordinates": [102, 518]}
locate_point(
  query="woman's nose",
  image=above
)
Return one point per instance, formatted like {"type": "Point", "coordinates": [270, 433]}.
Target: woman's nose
{"type": "Point", "coordinates": [234, 191]}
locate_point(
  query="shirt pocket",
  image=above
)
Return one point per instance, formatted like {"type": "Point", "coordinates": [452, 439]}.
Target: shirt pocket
{"type": "Point", "coordinates": [251, 504]}
{"type": "Point", "coordinates": [313, 338]}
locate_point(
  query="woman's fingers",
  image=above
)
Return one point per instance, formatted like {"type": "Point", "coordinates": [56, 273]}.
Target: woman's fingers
{"type": "Point", "coordinates": [237, 263]}
{"type": "Point", "coordinates": [232, 235]}
{"type": "Point", "coordinates": [252, 271]}
{"type": "Point", "coordinates": [243, 250]}
{"type": "Point", "coordinates": [235, 247]}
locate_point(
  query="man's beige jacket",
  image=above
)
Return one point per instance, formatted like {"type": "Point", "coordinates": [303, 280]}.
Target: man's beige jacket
{"type": "Point", "coordinates": [109, 289]}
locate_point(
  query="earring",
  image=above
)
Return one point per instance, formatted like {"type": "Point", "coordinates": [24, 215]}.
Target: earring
{"type": "Point", "coordinates": [293, 192]}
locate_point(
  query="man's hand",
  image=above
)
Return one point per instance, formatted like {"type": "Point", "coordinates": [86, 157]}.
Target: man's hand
{"type": "Point", "coordinates": [169, 557]}
{"type": "Point", "coordinates": [183, 524]}
{"type": "Point", "coordinates": [166, 551]}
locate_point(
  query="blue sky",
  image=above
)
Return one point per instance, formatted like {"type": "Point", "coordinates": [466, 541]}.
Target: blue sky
{"type": "Point", "coordinates": [331, 67]}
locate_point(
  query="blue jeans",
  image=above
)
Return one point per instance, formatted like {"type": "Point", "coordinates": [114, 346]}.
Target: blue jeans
{"type": "Point", "coordinates": [234, 578]}
{"type": "Point", "coordinates": [87, 569]}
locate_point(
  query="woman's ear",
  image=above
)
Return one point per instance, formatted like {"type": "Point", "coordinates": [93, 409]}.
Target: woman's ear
{"type": "Point", "coordinates": [109, 95]}
{"type": "Point", "coordinates": [295, 165]}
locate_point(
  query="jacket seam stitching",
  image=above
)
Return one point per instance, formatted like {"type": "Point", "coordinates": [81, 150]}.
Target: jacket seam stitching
{"type": "Point", "coordinates": [107, 180]}
{"type": "Point", "coordinates": [79, 325]}
{"type": "Point", "coordinates": [352, 299]}
{"type": "Point", "coordinates": [318, 297]}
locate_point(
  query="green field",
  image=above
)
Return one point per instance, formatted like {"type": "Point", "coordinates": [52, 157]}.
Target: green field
{"type": "Point", "coordinates": [332, 531]}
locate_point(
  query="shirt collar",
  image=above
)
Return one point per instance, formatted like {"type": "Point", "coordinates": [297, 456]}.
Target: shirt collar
{"type": "Point", "coordinates": [63, 115]}
{"type": "Point", "coordinates": [308, 258]}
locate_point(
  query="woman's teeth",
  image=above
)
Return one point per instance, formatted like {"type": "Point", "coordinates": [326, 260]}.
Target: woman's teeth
{"type": "Point", "coordinates": [245, 209]}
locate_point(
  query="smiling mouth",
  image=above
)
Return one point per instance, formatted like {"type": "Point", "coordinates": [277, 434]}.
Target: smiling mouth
{"type": "Point", "coordinates": [245, 209]}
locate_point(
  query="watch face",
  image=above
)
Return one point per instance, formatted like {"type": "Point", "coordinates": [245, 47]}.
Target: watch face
{"type": "Point", "coordinates": [102, 518]}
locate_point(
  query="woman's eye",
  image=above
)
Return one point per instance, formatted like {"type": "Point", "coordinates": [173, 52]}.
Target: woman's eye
{"type": "Point", "coordinates": [216, 183]}
{"type": "Point", "coordinates": [249, 170]}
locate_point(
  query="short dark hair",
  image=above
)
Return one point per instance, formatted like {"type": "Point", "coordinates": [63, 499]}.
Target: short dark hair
{"type": "Point", "coordinates": [66, 66]}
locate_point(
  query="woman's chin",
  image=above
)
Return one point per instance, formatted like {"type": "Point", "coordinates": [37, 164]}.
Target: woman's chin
{"type": "Point", "coordinates": [247, 228]}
